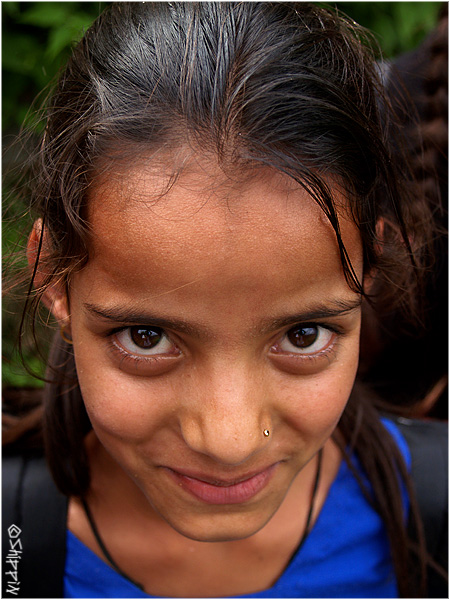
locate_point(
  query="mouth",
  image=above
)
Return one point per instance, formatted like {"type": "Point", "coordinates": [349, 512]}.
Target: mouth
{"type": "Point", "coordinates": [217, 491]}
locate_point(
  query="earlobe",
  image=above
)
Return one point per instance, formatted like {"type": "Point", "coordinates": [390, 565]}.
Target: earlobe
{"type": "Point", "coordinates": [54, 296]}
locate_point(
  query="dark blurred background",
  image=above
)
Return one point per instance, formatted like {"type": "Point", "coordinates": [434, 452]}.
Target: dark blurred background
{"type": "Point", "coordinates": [36, 40]}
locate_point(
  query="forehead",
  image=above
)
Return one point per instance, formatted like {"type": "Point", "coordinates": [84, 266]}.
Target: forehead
{"type": "Point", "coordinates": [205, 222]}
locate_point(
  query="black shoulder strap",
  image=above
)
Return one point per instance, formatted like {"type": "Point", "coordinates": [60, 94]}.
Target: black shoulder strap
{"type": "Point", "coordinates": [428, 444]}
{"type": "Point", "coordinates": [34, 524]}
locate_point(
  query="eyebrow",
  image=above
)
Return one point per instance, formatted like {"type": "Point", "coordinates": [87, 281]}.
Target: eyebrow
{"type": "Point", "coordinates": [331, 309]}
{"type": "Point", "coordinates": [334, 308]}
{"type": "Point", "coordinates": [134, 317]}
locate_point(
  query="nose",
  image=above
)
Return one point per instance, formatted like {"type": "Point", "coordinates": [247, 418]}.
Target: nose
{"type": "Point", "coordinates": [226, 414]}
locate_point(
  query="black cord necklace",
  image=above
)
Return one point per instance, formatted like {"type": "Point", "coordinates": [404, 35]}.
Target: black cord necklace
{"type": "Point", "coordinates": [113, 563]}
{"type": "Point", "coordinates": [313, 500]}
{"type": "Point", "coordinates": [100, 542]}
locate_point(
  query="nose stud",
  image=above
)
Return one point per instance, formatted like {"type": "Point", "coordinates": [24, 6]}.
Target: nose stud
{"type": "Point", "coordinates": [266, 433]}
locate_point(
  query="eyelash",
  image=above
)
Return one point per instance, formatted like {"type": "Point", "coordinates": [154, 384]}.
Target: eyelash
{"type": "Point", "coordinates": [137, 360]}
{"type": "Point", "coordinates": [163, 338]}
{"type": "Point", "coordinates": [331, 331]}
{"type": "Point", "coordinates": [302, 363]}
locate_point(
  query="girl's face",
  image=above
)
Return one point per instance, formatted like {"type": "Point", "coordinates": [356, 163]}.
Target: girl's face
{"type": "Point", "coordinates": [204, 317]}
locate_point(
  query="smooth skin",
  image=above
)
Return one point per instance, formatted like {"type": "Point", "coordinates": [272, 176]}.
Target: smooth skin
{"type": "Point", "coordinates": [205, 315]}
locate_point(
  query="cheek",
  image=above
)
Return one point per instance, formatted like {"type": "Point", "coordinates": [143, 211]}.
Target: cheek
{"type": "Point", "coordinates": [314, 405]}
{"type": "Point", "coordinates": [124, 407]}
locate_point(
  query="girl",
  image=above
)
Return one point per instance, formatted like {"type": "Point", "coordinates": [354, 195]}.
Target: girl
{"type": "Point", "coordinates": [216, 200]}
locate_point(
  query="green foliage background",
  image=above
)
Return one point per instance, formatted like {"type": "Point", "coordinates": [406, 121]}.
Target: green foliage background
{"type": "Point", "coordinates": [36, 40]}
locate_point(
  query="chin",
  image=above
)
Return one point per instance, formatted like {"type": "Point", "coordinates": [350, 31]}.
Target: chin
{"type": "Point", "coordinates": [220, 528]}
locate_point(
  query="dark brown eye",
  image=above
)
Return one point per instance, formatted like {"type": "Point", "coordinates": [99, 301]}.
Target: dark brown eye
{"type": "Point", "coordinates": [307, 340]}
{"type": "Point", "coordinates": [145, 340]}
{"type": "Point", "coordinates": [303, 336]}
{"type": "Point", "coordinates": [146, 337]}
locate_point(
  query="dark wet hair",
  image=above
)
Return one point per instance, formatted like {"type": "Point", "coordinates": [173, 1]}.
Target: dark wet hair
{"type": "Point", "coordinates": [282, 85]}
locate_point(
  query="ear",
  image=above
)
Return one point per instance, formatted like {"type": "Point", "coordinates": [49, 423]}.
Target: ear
{"type": "Point", "coordinates": [379, 232]}
{"type": "Point", "coordinates": [370, 276]}
{"type": "Point", "coordinates": [55, 294]}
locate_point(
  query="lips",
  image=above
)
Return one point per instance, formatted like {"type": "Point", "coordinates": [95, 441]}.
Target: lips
{"type": "Point", "coordinates": [216, 491]}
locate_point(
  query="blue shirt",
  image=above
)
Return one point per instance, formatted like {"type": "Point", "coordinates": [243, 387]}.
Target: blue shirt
{"type": "Point", "coordinates": [346, 555]}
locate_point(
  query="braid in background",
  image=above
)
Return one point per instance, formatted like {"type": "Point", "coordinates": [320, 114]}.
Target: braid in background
{"type": "Point", "coordinates": [408, 367]}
